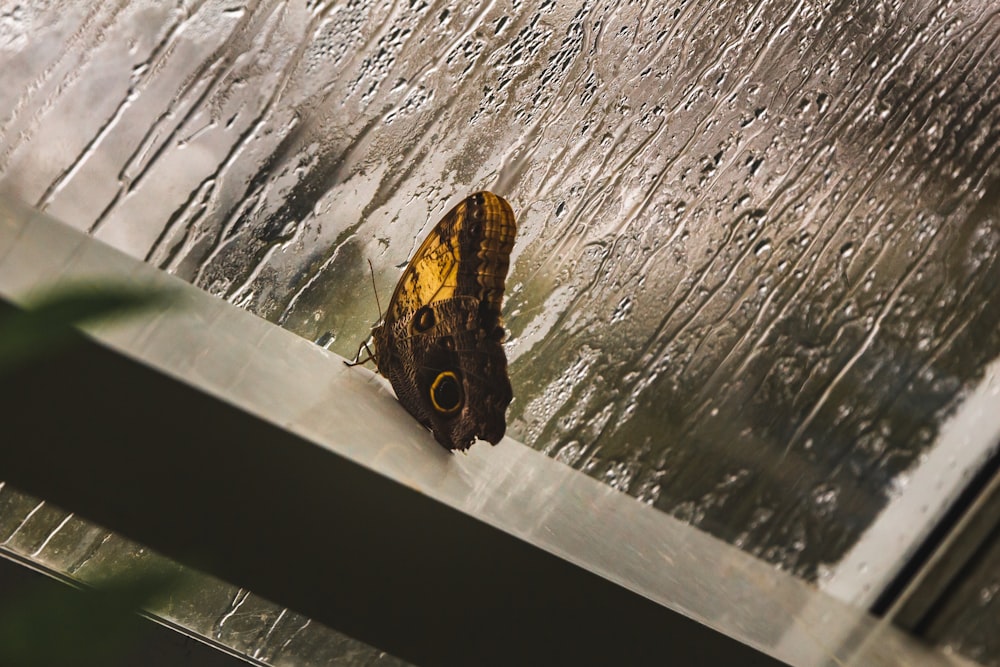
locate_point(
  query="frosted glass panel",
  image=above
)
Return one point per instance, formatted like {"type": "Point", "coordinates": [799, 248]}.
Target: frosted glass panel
{"type": "Point", "coordinates": [757, 249]}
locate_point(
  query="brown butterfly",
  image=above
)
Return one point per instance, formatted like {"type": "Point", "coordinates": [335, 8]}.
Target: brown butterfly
{"type": "Point", "coordinates": [440, 342]}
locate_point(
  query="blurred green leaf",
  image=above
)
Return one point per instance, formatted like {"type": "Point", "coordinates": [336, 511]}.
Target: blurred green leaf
{"type": "Point", "coordinates": [50, 624]}
{"type": "Point", "coordinates": [44, 326]}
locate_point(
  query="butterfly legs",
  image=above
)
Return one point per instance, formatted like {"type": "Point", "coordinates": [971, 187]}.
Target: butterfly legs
{"type": "Point", "coordinates": [358, 361]}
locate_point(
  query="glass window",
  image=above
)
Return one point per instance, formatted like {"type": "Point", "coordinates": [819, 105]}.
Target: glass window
{"type": "Point", "coordinates": [755, 270]}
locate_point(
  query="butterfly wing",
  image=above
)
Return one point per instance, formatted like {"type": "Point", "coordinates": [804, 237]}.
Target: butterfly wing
{"type": "Point", "coordinates": [440, 343]}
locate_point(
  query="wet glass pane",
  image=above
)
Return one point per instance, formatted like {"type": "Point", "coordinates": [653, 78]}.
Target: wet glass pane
{"type": "Point", "coordinates": [757, 242]}
{"type": "Point", "coordinates": [967, 619]}
{"type": "Point", "coordinates": [219, 612]}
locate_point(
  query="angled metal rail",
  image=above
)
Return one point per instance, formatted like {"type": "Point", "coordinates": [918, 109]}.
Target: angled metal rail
{"type": "Point", "coordinates": [232, 445]}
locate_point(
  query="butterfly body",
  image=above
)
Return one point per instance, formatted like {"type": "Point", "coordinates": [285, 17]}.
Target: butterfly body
{"type": "Point", "coordinates": [440, 343]}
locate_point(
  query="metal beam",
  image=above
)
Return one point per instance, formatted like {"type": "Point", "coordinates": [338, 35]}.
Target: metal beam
{"type": "Point", "coordinates": [230, 444]}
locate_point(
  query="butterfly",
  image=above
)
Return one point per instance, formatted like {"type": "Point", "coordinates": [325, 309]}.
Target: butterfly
{"type": "Point", "coordinates": [440, 343]}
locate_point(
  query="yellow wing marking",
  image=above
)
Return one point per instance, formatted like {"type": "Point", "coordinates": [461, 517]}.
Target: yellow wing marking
{"type": "Point", "coordinates": [432, 274]}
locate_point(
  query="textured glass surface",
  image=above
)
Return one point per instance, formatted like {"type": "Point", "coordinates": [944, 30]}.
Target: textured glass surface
{"type": "Point", "coordinates": [757, 253]}
{"type": "Point", "coordinates": [968, 618]}
{"type": "Point", "coordinates": [220, 612]}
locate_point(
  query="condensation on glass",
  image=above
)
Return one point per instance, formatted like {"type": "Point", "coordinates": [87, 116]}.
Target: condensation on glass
{"type": "Point", "coordinates": [757, 248]}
